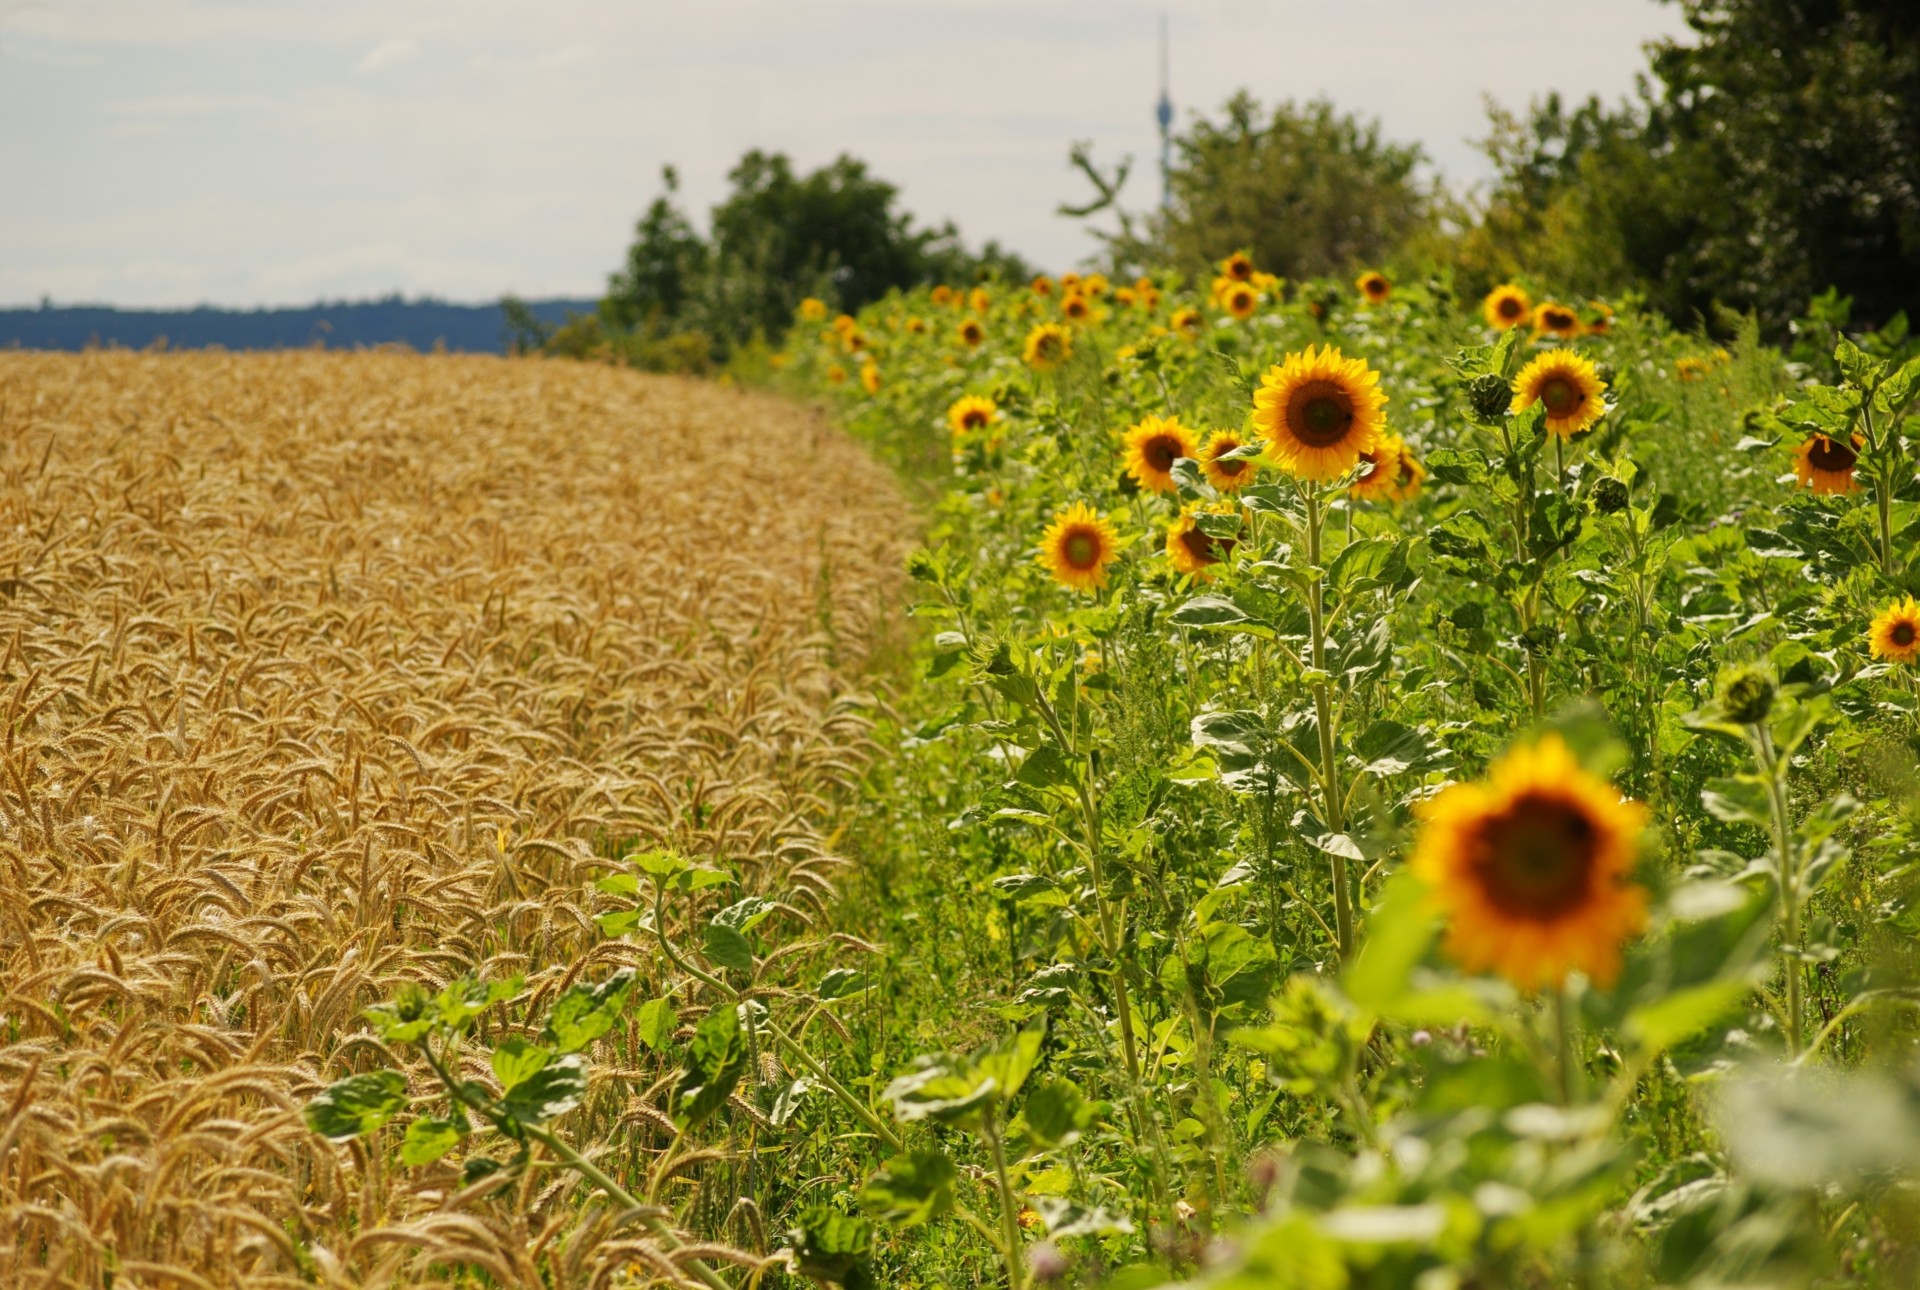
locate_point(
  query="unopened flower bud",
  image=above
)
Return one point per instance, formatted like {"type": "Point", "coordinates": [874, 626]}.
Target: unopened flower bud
{"type": "Point", "coordinates": [1746, 696]}
{"type": "Point", "coordinates": [1490, 396]}
{"type": "Point", "coordinates": [1610, 496]}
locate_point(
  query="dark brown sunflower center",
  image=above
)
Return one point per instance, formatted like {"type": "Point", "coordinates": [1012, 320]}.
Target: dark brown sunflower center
{"type": "Point", "coordinates": [1406, 475]}
{"type": "Point", "coordinates": [1536, 858]}
{"type": "Point", "coordinates": [1230, 467]}
{"type": "Point", "coordinates": [1510, 308]}
{"type": "Point", "coordinates": [974, 419]}
{"type": "Point", "coordinates": [1369, 463]}
{"type": "Point", "coordinates": [1081, 549]}
{"type": "Point", "coordinates": [1320, 413]}
{"type": "Point", "coordinates": [1904, 634]}
{"type": "Point", "coordinates": [1828, 454]}
{"type": "Point", "coordinates": [1239, 269]}
{"type": "Point", "coordinates": [1161, 451]}
{"type": "Point", "coordinates": [1207, 550]}
{"type": "Point", "coordinates": [1376, 286]}
{"type": "Point", "coordinates": [1557, 321]}
{"type": "Point", "coordinates": [1561, 396]}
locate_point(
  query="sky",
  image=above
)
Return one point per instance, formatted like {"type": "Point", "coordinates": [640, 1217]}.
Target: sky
{"type": "Point", "coordinates": [165, 153]}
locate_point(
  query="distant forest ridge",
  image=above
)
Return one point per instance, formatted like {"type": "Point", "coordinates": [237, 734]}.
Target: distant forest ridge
{"type": "Point", "coordinates": [422, 324]}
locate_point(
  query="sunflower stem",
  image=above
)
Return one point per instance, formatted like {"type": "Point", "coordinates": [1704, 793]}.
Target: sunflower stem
{"type": "Point", "coordinates": [1323, 716]}
{"type": "Point", "coordinates": [1009, 1219]}
{"type": "Point", "coordinates": [1788, 876]}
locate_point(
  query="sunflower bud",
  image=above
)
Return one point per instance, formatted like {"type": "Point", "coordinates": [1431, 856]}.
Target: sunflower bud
{"type": "Point", "coordinates": [1746, 696]}
{"type": "Point", "coordinates": [920, 567]}
{"type": "Point", "coordinates": [1610, 496]}
{"type": "Point", "coordinates": [1490, 396]}
{"type": "Point", "coordinates": [1468, 617]}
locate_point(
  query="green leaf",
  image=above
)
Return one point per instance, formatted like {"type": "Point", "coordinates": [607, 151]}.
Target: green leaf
{"type": "Point", "coordinates": [585, 1013]}
{"type": "Point", "coordinates": [728, 948]}
{"type": "Point", "coordinates": [1400, 930]}
{"type": "Point", "coordinates": [716, 1059]}
{"type": "Point", "coordinates": [1857, 366]}
{"type": "Point", "coordinates": [1738, 799]}
{"type": "Point", "coordinates": [839, 983]}
{"type": "Point", "coordinates": [357, 1104]}
{"type": "Point", "coordinates": [516, 1061]}
{"type": "Point", "coordinates": [1661, 1024]}
{"type": "Point", "coordinates": [1057, 1113]}
{"type": "Point", "coordinates": [619, 923]}
{"type": "Point", "coordinates": [942, 1088]}
{"type": "Point", "coordinates": [1064, 1218]}
{"type": "Point", "coordinates": [655, 1021]}
{"type": "Point", "coordinates": [832, 1247]}
{"type": "Point", "coordinates": [1450, 466]}
{"type": "Point", "coordinates": [427, 1140]}
{"type": "Point", "coordinates": [1210, 611]}
{"type": "Point", "coordinates": [1044, 767]}
{"type": "Point", "coordinates": [911, 1189]}
{"type": "Point", "coordinates": [745, 915]}
{"type": "Point", "coordinates": [1009, 1067]}
{"type": "Point", "coordinates": [550, 1092]}
{"type": "Point", "coordinates": [660, 864]}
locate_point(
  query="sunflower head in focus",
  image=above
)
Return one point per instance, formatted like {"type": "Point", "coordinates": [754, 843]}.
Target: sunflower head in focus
{"type": "Point", "coordinates": [1151, 449]}
{"type": "Point", "coordinates": [870, 377]}
{"type": "Point", "coordinates": [1895, 635]}
{"type": "Point", "coordinates": [1191, 550]}
{"type": "Point", "coordinates": [1187, 322]}
{"type": "Point", "coordinates": [1238, 266]}
{"type": "Point", "coordinates": [1532, 868]}
{"type": "Point", "coordinates": [1077, 548]}
{"type": "Point", "coordinates": [1379, 476]}
{"type": "Point", "coordinates": [1075, 307]}
{"type": "Point", "coordinates": [1043, 285]}
{"type": "Point", "coordinates": [1319, 411]}
{"type": "Point", "coordinates": [1048, 345]}
{"type": "Point", "coordinates": [1567, 385]}
{"type": "Point", "coordinates": [971, 414]}
{"type": "Point", "coordinates": [1240, 300]}
{"type": "Point", "coordinates": [1227, 476]}
{"type": "Point", "coordinates": [1826, 465]}
{"type": "Point", "coordinates": [972, 333]}
{"type": "Point", "coordinates": [1506, 306]}
{"type": "Point", "coordinates": [1374, 286]}
{"type": "Point", "coordinates": [813, 309]}
{"type": "Point", "coordinates": [1554, 319]}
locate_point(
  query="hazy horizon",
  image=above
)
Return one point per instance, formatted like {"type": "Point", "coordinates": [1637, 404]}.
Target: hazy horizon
{"type": "Point", "coordinates": [179, 153]}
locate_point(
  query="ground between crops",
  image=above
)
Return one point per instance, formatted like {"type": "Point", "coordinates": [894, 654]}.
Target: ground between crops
{"type": "Point", "coordinates": [325, 672]}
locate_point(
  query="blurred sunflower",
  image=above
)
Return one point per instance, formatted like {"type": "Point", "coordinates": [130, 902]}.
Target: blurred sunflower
{"type": "Point", "coordinates": [1551, 319]}
{"type": "Point", "coordinates": [845, 324]}
{"type": "Point", "coordinates": [1691, 368]}
{"type": "Point", "coordinates": [1238, 266]}
{"type": "Point", "coordinates": [1125, 295]}
{"type": "Point", "coordinates": [1240, 300]}
{"type": "Point", "coordinates": [1094, 284]}
{"type": "Point", "coordinates": [1069, 282]}
{"type": "Point", "coordinates": [1152, 447]}
{"type": "Point", "coordinates": [1043, 285]}
{"type": "Point", "coordinates": [1826, 466]}
{"type": "Point", "coordinates": [836, 374]}
{"type": "Point", "coordinates": [979, 299]}
{"type": "Point", "coordinates": [812, 309]}
{"type": "Point", "coordinates": [1379, 470]}
{"type": "Point", "coordinates": [916, 324]}
{"type": "Point", "coordinates": [1077, 548]}
{"type": "Point", "coordinates": [1412, 474]}
{"type": "Point", "coordinates": [1567, 384]}
{"type": "Point", "coordinates": [971, 413]}
{"type": "Point", "coordinates": [1374, 286]}
{"type": "Point", "coordinates": [1227, 476]}
{"type": "Point", "coordinates": [1048, 345]}
{"type": "Point", "coordinates": [1187, 322]}
{"type": "Point", "coordinates": [870, 377]}
{"type": "Point", "coordinates": [1075, 308]}
{"type": "Point", "coordinates": [1505, 306]}
{"type": "Point", "coordinates": [972, 333]}
{"type": "Point", "coordinates": [1191, 550]}
{"type": "Point", "coordinates": [942, 294]}
{"type": "Point", "coordinates": [1533, 866]}
{"type": "Point", "coordinates": [1319, 411]}
{"type": "Point", "coordinates": [1599, 319]}
{"type": "Point", "coordinates": [1895, 635]}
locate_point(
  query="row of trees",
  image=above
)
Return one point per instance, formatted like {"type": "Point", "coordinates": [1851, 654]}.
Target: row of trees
{"type": "Point", "coordinates": [1772, 156]}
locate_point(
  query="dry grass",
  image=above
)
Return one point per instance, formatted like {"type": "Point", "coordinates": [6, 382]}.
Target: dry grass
{"type": "Point", "coordinates": [322, 673]}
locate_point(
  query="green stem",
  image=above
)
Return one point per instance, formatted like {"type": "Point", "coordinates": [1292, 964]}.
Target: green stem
{"type": "Point", "coordinates": [1323, 715]}
{"type": "Point", "coordinates": [1009, 1218]}
{"type": "Point", "coordinates": [1788, 876]}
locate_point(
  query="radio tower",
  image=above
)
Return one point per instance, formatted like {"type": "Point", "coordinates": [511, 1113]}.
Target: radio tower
{"type": "Point", "coordinates": [1164, 112]}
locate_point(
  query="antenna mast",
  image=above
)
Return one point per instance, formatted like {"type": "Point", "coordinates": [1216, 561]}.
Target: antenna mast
{"type": "Point", "coordinates": [1164, 112]}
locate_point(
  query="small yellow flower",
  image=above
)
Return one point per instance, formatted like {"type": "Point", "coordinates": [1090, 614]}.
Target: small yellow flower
{"type": "Point", "coordinates": [1895, 635]}
{"type": "Point", "coordinates": [1077, 548]}
{"type": "Point", "coordinates": [1826, 465]}
{"type": "Point", "coordinates": [972, 333]}
{"type": "Point", "coordinates": [1506, 306]}
{"type": "Point", "coordinates": [1152, 447]}
{"type": "Point", "coordinates": [1567, 384]}
{"type": "Point", "coordinates": [812, 309]}
{"type": "Point", "coordinates": [1048, 346]}
{"type": "Point", "coordinates": [916, 324]}
{"type": "Point", "coordinates": [971, 414]}
{"type": "Point", "coordinates": [1374, 286]}
{"type": "Point", "coordinates": [1094, 284]}
{"type": "Point", "coordinates": [870, 377]}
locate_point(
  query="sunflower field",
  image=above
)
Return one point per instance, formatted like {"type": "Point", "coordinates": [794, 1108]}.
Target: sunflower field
{"type": "Point", "coordinates": [1395, 790]}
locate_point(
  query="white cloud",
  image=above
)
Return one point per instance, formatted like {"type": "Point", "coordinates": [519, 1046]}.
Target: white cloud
{"type": "Point", "coordinates": [389, 53]}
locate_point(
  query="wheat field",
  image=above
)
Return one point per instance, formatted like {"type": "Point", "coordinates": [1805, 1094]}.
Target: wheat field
{"type": "Point", "coordinates": [323, 673]}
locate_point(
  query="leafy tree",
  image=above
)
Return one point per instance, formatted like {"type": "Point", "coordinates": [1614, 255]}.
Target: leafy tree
{"type": "Point", "coordinates": [1306, 189]}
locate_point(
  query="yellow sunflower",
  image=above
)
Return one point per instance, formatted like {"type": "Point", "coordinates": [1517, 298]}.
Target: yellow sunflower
{"type": "Point", "coordinates": [1048, 346]}
{"type": "Point", "coordinates": [1094, 284]}
{"type": "Point", "coordinates": [1227, 476]}
{"type": "Point", "coordinates": [1069, 282]}
{"type": "Point", "coordinates": [1319, 411]}
{"type": "Point", "coordinates": [1240, 300]}
{"type": "Point", "coordinates": [972, 333]}
{"type": "Point", "coordinates": [836, 374]}
{"type": "Point", "coordinates": [1075, 307]}
{"type": "Point", "coordinates": [916, 324]}
{"type": "Point", "coordinates": [1191, 550]}
{"type": "Point", "coordinates": [1412, 474]}
{"type": "Point", "coordinates": [845, 324]}
{"type": "Point", "coordinates": [1569, 387]}
{"type": "Point", "coordinates": [1895, 635]}
{"type": "Point", "coordinates": [1533, 868]}
{"type": "Point", "coordinates": [1379, 470]}
{"type": "Point", "coordinates": [971, 413]}
{"type": "Point", "coordinates": [1187, 322]}
{"type": "Point", "coordinates": [1826, 465]}
{"type": "Point", "coordinates": [1151, 449]}
{"type": "Point", "coordinates": [1374, 286]}
{"type": "Point", "coordinates": [1077, 548]}
{"type": "Point", "coordinates": [1125, 295]}
{"type": "Point", "coordinates": [943, 295]}
{"type": "Point", "coordinates": [1690, 369]}
{"type": "Point", "coordinates": [1238, 266]}
{"type": "Point", "coordinates": [1043, 285]}
{"type": "Point", "coordinates": [1148, 297]}
{"type": "Point", "coordinates": [979, 299]}
{"type": "Point", "coordinates": [1506, 306]}
{"type": "Point", "coordinates": [813, 309]}
{"type": "Point", "coordinates": [1599, 320]}
{"type": "Point", "coordinates": [1551, 319]}
{"type": "Point", "coordinates": [870, 377]}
